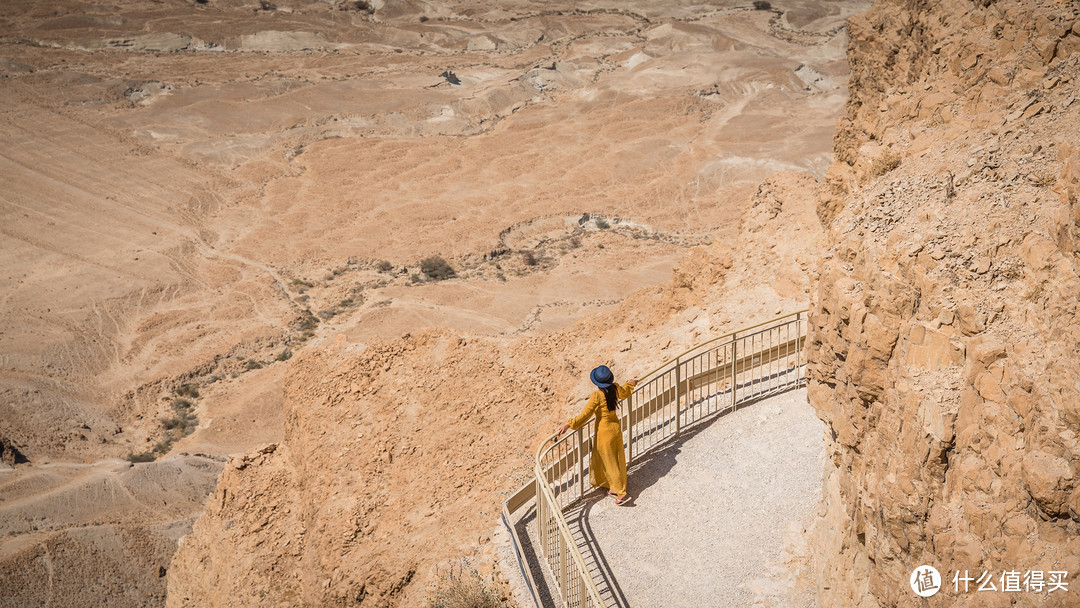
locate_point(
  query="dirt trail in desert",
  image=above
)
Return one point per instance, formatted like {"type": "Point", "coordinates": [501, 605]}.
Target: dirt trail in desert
{"type": "Point", "coordinates": [191, 193]}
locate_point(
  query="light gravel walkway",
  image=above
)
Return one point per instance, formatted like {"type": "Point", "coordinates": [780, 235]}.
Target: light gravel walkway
{"type": "Point", "coordinates": [717, 515]}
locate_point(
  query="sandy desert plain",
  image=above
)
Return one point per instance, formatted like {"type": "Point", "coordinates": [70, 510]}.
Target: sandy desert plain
{"type": "Point", "coordinates": [194, 194]}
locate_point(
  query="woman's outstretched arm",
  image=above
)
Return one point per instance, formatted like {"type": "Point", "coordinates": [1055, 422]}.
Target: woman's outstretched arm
{"type": "Point", "coordinates": [578, 421]}
{"type": "Point", "coordinates": [624, 390]}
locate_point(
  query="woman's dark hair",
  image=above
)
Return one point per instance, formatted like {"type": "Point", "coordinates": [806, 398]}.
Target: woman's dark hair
{"type": "Point", "coordinates": [611, 397]}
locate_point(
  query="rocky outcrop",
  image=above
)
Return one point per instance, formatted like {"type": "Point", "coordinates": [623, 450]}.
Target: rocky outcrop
{"type": "Point", "coordinates": [943, 336]}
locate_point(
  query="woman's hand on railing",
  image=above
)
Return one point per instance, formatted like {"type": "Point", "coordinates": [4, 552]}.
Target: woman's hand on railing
{"type": "Point", "coordinates": [562, 429]}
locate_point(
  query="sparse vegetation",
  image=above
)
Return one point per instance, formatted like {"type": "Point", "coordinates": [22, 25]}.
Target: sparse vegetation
{"type": "Point", "coordinates": [284, 355]}
{"type": "Point", "coordinates": [188, 390]}
{"type": "Point", "coordinates": [336, 272]}
{"type": "Point", "coordinates": [762, 5]}
{"type": "Point", "coordinates": [436, 268]}
{"type": "Point", "coordinates": [528, 257]}
{"type": "Point", "coordinates": [888, 161]}
{"type": "Point", "coordinates": [464, 589]}
{"type": "Point", "coordinates": [602, 224]}
{"type": "Point", "coordinates": [251, 364]}
{"type": "Point", "coordinates": [383, 266]}
{"type": "Point", "coordinates": [182, 423]}
{"type": "Point", "coordinates": [328, 314]}
{"type": "Point", "coordinates": [301, 285]}
{"type": "Point", "coordinates": [347, 302]}
{"type": "Point", "coordinates": [307, 321]}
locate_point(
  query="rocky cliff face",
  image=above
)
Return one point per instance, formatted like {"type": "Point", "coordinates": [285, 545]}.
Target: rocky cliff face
{"type": "Point", "coordinates": [943, 351]}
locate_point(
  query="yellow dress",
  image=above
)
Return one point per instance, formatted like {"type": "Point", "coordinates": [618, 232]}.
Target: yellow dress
{"type": "Point", "coordinates": [607, 467]}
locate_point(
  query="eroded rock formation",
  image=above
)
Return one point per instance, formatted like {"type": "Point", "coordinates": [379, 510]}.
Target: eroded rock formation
{"type": "Point", "coordinates": [943, 349]}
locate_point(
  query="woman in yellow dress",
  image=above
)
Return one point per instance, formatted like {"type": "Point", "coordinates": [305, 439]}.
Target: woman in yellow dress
{"type": "Point", "coordinates": [607, 467]}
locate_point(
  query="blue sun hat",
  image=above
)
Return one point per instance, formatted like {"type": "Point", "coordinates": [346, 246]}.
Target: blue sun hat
{"type": "Point", "coordinates": [602, 376]}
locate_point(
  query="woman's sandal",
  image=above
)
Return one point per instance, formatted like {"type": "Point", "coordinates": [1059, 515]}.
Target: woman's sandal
{"type": "Point", "coordinates": [622, 500]}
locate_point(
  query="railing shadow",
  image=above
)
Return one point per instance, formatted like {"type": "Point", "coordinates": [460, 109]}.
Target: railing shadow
{"type": "Point", "coordinates": [599, 569]}
{"type": "Point", "coordinates": [532, 556]}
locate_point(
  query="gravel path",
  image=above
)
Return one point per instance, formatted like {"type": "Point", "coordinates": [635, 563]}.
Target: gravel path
{"type": "Point", "coordinates": [718, 516]}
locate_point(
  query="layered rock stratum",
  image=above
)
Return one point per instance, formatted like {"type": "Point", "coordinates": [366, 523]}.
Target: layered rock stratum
{"type": "Point", "coordinates": [943, 351]}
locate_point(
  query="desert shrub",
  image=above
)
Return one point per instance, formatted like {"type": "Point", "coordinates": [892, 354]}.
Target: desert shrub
{"type": "Point", "coordinates": [251, 364]}
{"type": "Point", "coordinates": [284, 355]}
{"type": "Point", "coordinates": [464, 589]}
{"type": "Point", "coordinates": [328, 314]}
{"type": "Point", "coordinates": [302, 283]}
{"type": "Point", "coordinates": [436, 268]}
{"type": "Point", "coordinates": [888, 161]}
{"type": "Point", "coordinates": [528, 257]}
{"type": "Point", "coordinates": [602, 224]}
{"type": "Point", "coordinates": [383, 266]}
{"type": "Point", "coordinates": [347, 302]}
{"type": "Point", "coordinates": [188, 390]}
{"type": "Point", "coordinates": [180, 405]}
{"type": "Point", "coordinates": [307, 321]}
{"type": "Point", "coordinates": [762, 5]}
{"type": "Point", "coordinates": [141, 457]}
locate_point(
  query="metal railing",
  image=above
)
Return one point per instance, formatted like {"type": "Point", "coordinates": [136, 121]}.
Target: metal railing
{"type": "Point", "coordinates": [711, 378]}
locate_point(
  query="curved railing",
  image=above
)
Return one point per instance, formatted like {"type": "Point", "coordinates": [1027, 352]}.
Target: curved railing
{"type": "Point", "coordinates": [708, 379]}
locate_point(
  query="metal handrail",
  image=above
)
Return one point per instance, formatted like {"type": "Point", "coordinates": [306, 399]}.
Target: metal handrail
{"type": "Point", "coordinates": [695, 385]}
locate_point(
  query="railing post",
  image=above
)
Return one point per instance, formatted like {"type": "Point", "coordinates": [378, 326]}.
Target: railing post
{"type": "Point", "coordinates": [541, 520]}
{"type": "Point", "coordinates": [563, 578]}
{"type": "Point", "coordinates": [734, 369]}
{"type": "Point", "coordinates": [579, 437]}
{"type": "Point", "coordinates": [630, 429]}
{"type": "Point", "coordinates": [678, 395]}
{"type": "Point", "coordinates": [799, 342]}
